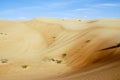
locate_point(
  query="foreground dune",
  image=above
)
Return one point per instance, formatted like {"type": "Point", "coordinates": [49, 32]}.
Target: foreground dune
{"type": "Point", "coordinates": [60, 49]}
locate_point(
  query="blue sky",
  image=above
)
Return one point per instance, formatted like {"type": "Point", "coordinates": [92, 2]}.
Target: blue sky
{"type": "Point", "coordinates": [82, 9]}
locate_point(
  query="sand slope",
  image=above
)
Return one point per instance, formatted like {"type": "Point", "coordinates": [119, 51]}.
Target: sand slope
{"type": "Point", "coordinates": [60, 49]}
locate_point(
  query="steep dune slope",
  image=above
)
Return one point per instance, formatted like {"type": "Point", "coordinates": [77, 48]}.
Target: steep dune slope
{"type": "Point", "coordinates": [89, 51]}
{"type": "Point", "coordinates": [71, 49]}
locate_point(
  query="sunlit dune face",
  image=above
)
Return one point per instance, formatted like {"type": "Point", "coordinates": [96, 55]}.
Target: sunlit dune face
{"type": "Point", "coordinates": [17, 45]}
{"type": "Point", "coordinates": [17, 37]}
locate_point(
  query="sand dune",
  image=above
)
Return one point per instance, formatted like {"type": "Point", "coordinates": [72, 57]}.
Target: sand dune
{"type": "Point", "coordinates": [60, 49]}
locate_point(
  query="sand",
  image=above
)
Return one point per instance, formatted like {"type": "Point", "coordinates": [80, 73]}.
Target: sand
{"type": "Point", "coordinates": [60, 49]}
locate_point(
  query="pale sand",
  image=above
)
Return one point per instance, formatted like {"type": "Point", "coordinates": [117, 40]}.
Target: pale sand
{"type": "Point", "coordinates": [75, 44]}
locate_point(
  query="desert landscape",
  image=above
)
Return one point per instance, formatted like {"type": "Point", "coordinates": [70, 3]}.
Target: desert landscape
{"type": "Point", "coordinates": [60, 49]}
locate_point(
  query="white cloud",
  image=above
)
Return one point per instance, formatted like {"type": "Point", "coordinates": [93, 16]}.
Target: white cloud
{"type": "Point", "coordinates": [85, 16]}
{"type": "Point", "coordinates": [58, 4]}
{"type": "Point", "coordinates": [22, 18]}
{"type": "Point", "coordinates": [49, 5]}
{"type": "Point", "coordinates": [31, 7]}
{"type": "Point", "coordinates": [85, 10]}
{"type": "Point", "coordinates": [108, 5]}
{"type": "Point", "coordinates": [4, 12]}
{"type": "Point", "coordinates": [81, 9]}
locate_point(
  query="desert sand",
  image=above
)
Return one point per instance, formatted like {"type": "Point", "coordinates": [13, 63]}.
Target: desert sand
{"type": "Point", "coordinates": [60, 49]}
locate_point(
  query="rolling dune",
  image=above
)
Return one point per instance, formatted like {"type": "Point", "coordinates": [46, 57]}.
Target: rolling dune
{"type": "Point", "coordinates": [60, 49]}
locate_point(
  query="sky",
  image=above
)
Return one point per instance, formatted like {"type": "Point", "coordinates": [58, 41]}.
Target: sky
{"type": "Point", "coordinates": [80, 9]}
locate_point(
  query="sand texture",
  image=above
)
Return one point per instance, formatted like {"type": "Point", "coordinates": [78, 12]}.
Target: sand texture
{"type": "Point", "coordinates": [60, 49]}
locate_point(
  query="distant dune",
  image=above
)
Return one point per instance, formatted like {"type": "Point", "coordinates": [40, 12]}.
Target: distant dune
{"type": "Point", "coordinates": [60, 49]}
